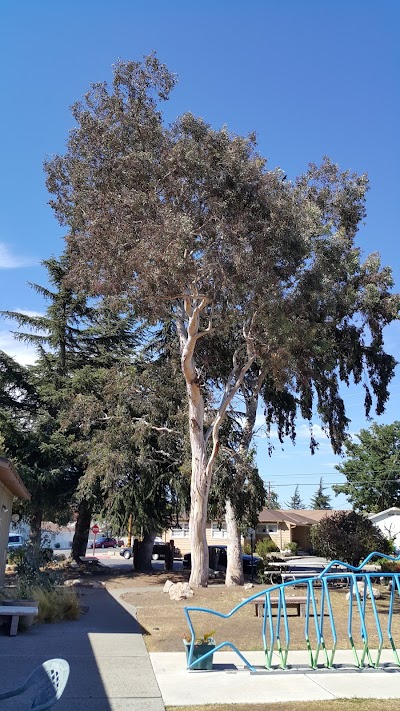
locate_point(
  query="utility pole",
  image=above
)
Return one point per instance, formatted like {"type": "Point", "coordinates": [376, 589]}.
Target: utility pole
{"type": "Point", "coordinates": [130, 530]}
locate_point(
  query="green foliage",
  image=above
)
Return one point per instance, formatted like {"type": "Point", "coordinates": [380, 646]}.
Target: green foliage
{"type": "Point", "coordinates": [29, 562]}
{"type": "Point", "coordinates": [272, 501]}
{"type": "Point", "coordinates": [56, 605]}
{"type": "Point", "coordinates": [265, 547]}
{"type": "Point", "coordinates": [238, 480]}
{"type": "Point", "coordinates": [320, 500]}
{"type": "Point", "coordinates": [206, 638]}
{"type": "Point", "coordinates": [372, 469]}
{"type": "Point", "coordinates": [292, 546]}
{"type": "Point", "coordinates": [258, 275]}
{"type": "Point", "coordinates": [388, 566]}
{"type": "Point", "coordinates": [296, 501]}
{"type": "Point", "coordinates": [348, 537]}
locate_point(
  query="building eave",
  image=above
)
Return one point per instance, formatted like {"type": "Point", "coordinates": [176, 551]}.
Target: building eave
{"type": "Point", "coordinates": [10, 478]}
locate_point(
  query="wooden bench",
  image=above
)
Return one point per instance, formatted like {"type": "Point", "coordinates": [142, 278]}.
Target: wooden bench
{"type": "Point", "coordinates": [298, 603]}
{"type": "Point", "coordinates": [15, 612]}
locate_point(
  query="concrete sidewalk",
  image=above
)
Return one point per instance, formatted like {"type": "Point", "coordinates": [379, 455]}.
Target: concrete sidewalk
{"type": "Point", "coordinates": [110, 667]}
{"type": "Point", "coordinates": [231, 683]}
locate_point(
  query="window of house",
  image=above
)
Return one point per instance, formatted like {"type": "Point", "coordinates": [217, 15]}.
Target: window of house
{"type": "Point", "coordinates": [267, 528]}
{"type": "Point", "coordinates": [217, 532]}
{"type": "Point", "coordinates": [181, 532]}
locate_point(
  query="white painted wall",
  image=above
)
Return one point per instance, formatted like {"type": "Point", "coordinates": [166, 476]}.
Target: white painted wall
{"type": "Point", "coordinates": [389, 523]}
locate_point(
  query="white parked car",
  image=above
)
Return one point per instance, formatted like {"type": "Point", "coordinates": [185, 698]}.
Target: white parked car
{"type": "Point", "coordinates": [15, 541]}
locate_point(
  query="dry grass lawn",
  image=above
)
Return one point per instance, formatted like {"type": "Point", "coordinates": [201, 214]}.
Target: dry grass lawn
{"type": "Point", "coordinates": [337, 705]}
{"type": "Point", "coordinates": [164, 624]}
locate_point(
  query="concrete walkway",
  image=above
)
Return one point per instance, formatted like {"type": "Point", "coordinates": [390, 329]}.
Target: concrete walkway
{"type": "Point", "coordinates": [110, 667]}
{"type": "Point", "coordinates": [231, 683]}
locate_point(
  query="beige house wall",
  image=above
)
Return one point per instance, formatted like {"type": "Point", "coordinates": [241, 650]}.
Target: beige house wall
{"type": "Point", "coordinates": [301, 536]}
{"type": "Point", "coordinates": [285, 533]}
{"type": "Point", "coordinates": [280, 537]}
{"type": "Point", "coordinates": [6, 500]}
{"type": "Point", "coordinates": [181, 537]}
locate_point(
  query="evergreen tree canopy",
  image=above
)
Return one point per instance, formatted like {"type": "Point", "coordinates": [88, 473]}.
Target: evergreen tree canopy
{"type": "Point", "coordinates": [372, 469]}
{"type": "Point", "coordinates": [321, 500]}
{"type": "Point", "coordinates": [189, 224]}
{"type": "Point", "coordinates": [296, 501]}
{"type": "Point", "coordinates": [272, 501]}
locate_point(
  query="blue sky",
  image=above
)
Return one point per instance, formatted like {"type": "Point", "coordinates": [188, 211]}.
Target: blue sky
{"type": "Point", "coordinates": [311, 77]}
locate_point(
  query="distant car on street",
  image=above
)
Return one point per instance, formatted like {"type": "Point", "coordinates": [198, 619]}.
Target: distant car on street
{"type": "Point", "coordinates": [106, 542]}
{"type": "Point", "coordinates": [219, 553]}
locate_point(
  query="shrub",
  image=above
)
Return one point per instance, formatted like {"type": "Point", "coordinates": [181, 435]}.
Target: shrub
{"type": "Point", "coordinates": [292, 547]}
{"type": "Point", "coordinates": [29, 574]}
{"type": "Point", "coordinates": [388, 566]}
{"type": "Point", "coordinates": [265, 547]}
{"type": "Point", "coordinates": [57, 545]}
{"type": "Point", "coordinates": [56, 605]}
{"type": "Point", "coordinates": [348, 536]}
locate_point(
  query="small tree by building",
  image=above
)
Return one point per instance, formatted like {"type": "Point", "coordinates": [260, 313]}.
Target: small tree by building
{"type": "Point", "coordinates": [272, 501]}
{"type": "Point", "coordinates": [296, 501]}
{"type": "Point", "coordinates": [349, 537]}
{"type": "Point", "coordinates": [321, 500]}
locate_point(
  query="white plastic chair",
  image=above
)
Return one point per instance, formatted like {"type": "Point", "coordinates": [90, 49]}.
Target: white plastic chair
{"type": "Point", "coordinates": [48, 682]}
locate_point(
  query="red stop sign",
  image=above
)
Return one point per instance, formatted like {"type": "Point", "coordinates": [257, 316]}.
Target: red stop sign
{"type": "Point", "coordinates": [95, 529]}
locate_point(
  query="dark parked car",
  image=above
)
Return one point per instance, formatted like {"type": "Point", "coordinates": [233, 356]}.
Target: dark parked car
{"type": "Point", "coordinates": [218, 557]}
{"type": "Point", "coordinates": [158, 551]}
{"type": "Point", "coordinates": [105, 542]}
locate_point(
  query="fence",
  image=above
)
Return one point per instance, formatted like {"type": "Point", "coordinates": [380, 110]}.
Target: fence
{"type": "Point", "coordinates": [320, 619]}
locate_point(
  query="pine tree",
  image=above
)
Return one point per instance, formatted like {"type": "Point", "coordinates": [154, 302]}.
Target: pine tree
{"type": "Point", "coordinates": [321, 500]}
{"type": "Point", "coordinates": [295, 502]}
{"type": "Point", "coordinates": [39, 445]}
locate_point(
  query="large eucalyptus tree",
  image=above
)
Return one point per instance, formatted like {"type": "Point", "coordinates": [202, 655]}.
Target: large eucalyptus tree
{"type": "Point", "coordinates": [191, 226]}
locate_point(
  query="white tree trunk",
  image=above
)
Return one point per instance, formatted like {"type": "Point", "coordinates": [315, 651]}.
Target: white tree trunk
{"type": "Point", "coordinates": [199, 489]}
{"type": "Point", "coordinates": [234, 569]}
{"type": "Point", "coordinates": [188, 327]}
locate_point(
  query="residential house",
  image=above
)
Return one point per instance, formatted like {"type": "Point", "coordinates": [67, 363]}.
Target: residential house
{"type": "Point", "coordinates": [10, 485]}
{"type": "Point", "coordinates": [388, 521]}
{"type": "Point", "coordinates": [283, 526]}
{"type": "Point", "coordinates": [289, 525]}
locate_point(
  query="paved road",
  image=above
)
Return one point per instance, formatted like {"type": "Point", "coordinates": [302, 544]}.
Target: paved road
{"type": "Point", "coordinates": [111, 557]}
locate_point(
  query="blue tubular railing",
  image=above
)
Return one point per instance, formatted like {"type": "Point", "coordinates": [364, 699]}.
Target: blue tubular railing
{"type": "Point", "coordinates": [275, 632]}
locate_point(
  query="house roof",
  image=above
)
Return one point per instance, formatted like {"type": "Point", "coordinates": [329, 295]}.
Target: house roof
{"type": "Point", "coordinates": [299, 517]}
{"type": "Point", "coordinates": [393, 511]}
{"type": "Point", "coordinates": [10, 478]}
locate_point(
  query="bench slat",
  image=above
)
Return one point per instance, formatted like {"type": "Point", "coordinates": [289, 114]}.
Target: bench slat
{"type": "Point", "coordinates": [16, 610]}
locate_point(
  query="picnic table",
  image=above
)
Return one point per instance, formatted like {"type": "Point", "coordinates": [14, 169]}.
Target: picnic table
{"type": "Point", "coordinates": [298, 602]}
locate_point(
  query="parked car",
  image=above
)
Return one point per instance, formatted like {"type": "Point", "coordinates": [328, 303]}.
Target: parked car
{"type": "Point", "coordinates": [105, 542]}
{"type": "Point", "coordinates": [15, 541]}
{"type": "Point", "coordinates": [219, 554]}
{"type": "Point", "coordinates": [158, 551]}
